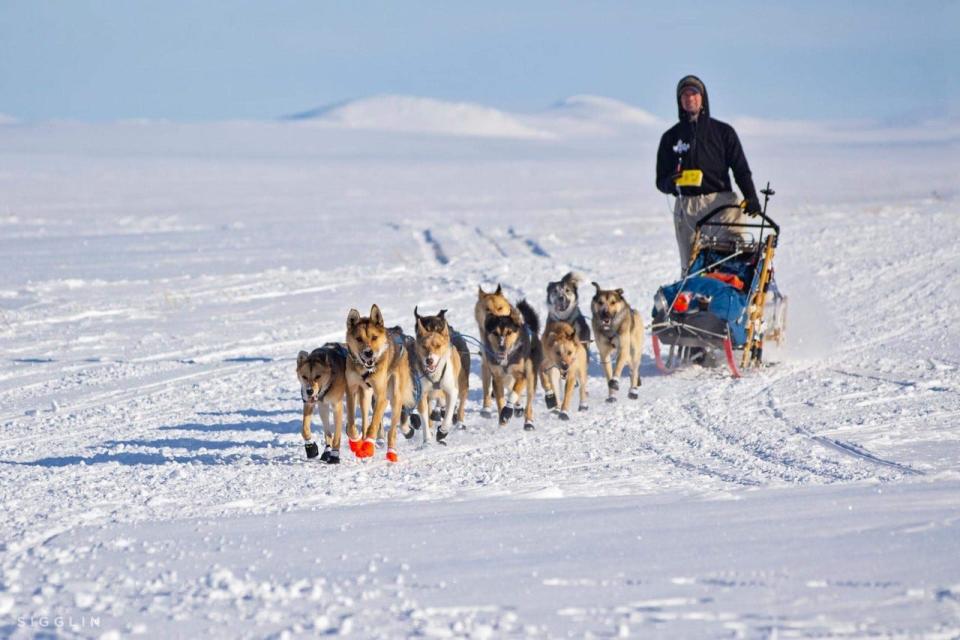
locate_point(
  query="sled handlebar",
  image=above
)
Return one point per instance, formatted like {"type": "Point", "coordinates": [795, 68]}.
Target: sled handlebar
{"type": "Point", "coordinates": [767, 220]}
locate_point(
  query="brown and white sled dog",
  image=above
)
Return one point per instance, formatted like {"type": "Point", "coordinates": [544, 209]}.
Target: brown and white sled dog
{"type": "Point", "coordinates": [323, 384]}
{"type": "Point", "coordinates": [565, 355]}
{"type": "Point", "coordinates": [514, 354]}
{"type": "Point", "coordinates": [563, 304]}
{"type": "Point", "coordinates": [488, 304]}
{"type": "Point", "coordinates": [443, 366]}
{"type": "Point", "coordinates": [378, 366]}
{"type": "Point", "coordinates": [618, 326]}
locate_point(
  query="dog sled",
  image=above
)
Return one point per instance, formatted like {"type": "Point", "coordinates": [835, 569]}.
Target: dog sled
{"type": "Point", "coordinates": [728, 302]}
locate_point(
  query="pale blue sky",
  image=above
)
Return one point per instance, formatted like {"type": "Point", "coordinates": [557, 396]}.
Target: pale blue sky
{"type": "Point", "coordinates": [182, 60]}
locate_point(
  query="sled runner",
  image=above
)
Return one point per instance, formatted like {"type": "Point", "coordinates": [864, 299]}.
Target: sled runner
{"type": "Point", "coordinates": [728, 301]}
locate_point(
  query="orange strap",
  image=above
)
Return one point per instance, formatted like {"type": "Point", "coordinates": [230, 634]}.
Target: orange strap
{"type": "Point", "coordinates": [729, 278]}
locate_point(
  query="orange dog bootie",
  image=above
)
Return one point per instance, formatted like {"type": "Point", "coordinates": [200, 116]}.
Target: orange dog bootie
{"type": "Point", "coordinates": [392, 455]}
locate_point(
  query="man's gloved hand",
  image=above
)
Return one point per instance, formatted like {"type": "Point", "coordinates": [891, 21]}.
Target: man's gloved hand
{"type": "Point", "coordinates": [669, 184]}
{"type": "Point", "coordinates": [752, 207]}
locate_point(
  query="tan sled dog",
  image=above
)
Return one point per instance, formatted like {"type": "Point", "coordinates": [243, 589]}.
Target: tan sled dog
{"type": "Point", "coordinates": [443, 366]}
{"type": "Point", "coordinates": [515, 356]}
{"type": "Point", "coordinates": [488, 304]}
{"type": "Point", "coordinates": [617, 326]}
{"type": "Point", "coordinates": [565, 356]}
{"type": "Point", "coordinates": [378, 366]}
{"type": "Point", "coordinates": [323, 384]}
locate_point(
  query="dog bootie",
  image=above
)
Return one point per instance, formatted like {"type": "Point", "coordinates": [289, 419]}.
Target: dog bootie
{"type": "Point", "coordinates": [312, 449]}
{"type": "Point", "coordinates": [563, 415]}
{"type": "Point", "coordinates": [634, 393]}
{"type": "Point", "coordinates": [551, 400]}
{"type": "Point", "coordinates": [614, 384]}
{"type": "Point", "coordinates": [366, 448]}
{"type": "Point", "coordinates": [326, 454]}
{"type": "Point", "coordinates": [505, 414]}
{"type": "Point", "coordinates": [392, 455]}
{"type": "Point", "coordinates": [355, 446]}
{"type": "Point", "coordinates": [333, 457]}
{"type": "Point", "coordinates": [528, 426]}
{"type": "Point", "coordinates": [441, 435]}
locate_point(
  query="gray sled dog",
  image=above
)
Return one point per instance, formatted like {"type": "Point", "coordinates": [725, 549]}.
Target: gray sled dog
{"type": "Point", "coordinates": [616, 325]}
{"type": "Point", "coordinates": [563, 304]}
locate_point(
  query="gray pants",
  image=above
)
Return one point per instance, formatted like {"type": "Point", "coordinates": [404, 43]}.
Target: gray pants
{"type": "Point", "coordinates": [689, 209]}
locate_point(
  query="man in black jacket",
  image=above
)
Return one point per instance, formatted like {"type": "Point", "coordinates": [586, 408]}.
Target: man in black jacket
{"type": "Point", "coordinates": [694, 162]}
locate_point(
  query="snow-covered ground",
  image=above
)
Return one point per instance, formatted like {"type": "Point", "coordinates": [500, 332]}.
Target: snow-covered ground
{"type": "Point", "coordinates": [158, 280]}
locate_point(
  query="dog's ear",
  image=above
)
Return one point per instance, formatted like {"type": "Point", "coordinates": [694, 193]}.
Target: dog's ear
{"type": "Point", "coordinates": [416, 313]}
{"type": "Point", "coordinates": [420, 328]}
{"type": "Point", "coordinates": [516, 316]}
{"type": "Point", "coordinates": [568, 332]}
{"type": "Point", "coordinates": [375, 316]}
{"type": "Point", "coordinates": [499, 290]}
{"type": "Point", "coordinates": [480, 291]}
{"type": "Point", "coordinates": [353, 318]}
{"type": "Point", "coordinates": [324, 357]}
{"type": "Point", "coordinates": [620, 292]}
{"type": "Point", "coordinates": [572, 280]}
{"type": "Point", "coordinates": [443, 315]}
{"type": "Point", "coordinates": [598, 288]}
{"type": "Point", "coordinates": [301, 357]}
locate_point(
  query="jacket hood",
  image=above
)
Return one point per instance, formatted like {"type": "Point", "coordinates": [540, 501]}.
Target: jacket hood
{"type": "Point", "coordinates": [696, 82]}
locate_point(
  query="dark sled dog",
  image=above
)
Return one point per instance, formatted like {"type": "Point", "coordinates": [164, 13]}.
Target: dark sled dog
{"type": "Point", "coordinates": [514, 355]}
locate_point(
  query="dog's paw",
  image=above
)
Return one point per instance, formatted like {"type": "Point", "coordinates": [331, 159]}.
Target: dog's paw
{"type": "Point", "coordinates": [392, 456]}
{"type": "Point", "coordinates": [312, 449]}
{"type": "Point", "coordinates": [563, 415]}
{"type": "Point", "coordinates": [528, 426]}
{"type": "Point", "coordinates": [582, 407]}
{"type": "Point", "coordinates": [326, 454]}
{"type": "Point", "coordinates": [381, 443]}
{"type": "Point", "coordinates": [436, 415]}
{"type": "Point", "coordinates": [333, 457]}
{"type": "Point", "coordinates": [614, 384]}
{"type": "Point", "coordinates": [408, 433]}
{"type": "Point", "coordinates": [486, 413]}
{"type": "Point", "coordinates": [441, 436]}
{"type": "Point", "coordinates": [355, 446]}
{"type": "Point", "coordinates": [517, 410]}
{"type": "Point", "coordinates": [634, 393]}
{"type": "Point", "coordinates": [416, 421]}
{"type": "Point", "coordinates": [505, 414]}
{"type": "Point", "coordinates": [612, 399]}
{"type": "Point", "coordinates": [551, 400]}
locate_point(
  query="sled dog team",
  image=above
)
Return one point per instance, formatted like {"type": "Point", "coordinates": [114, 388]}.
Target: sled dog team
{"type": "Point", "coordinates": [424, 378]}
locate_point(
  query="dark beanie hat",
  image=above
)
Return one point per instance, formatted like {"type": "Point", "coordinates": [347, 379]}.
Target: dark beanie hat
{"type": "Point", "coordinates": [693, 82]}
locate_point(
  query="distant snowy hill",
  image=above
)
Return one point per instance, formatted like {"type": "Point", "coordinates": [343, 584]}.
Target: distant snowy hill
{"type": "Point", "coordinates": [5, 119]}
{"type": "Point", "coordinates": [423, 115]}
{"type": "Point", "coordinates": [574, 116]}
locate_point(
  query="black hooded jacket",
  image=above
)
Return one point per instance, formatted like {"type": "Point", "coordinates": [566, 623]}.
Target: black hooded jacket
{"type": "Point", "coordinates": [706, 144]}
